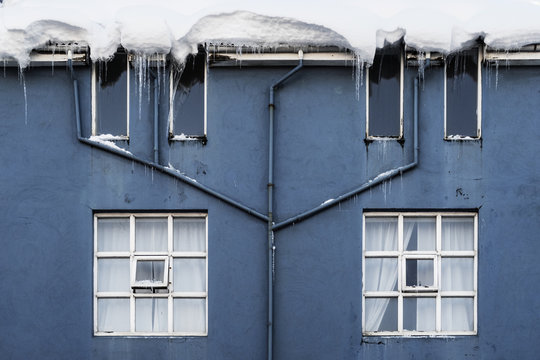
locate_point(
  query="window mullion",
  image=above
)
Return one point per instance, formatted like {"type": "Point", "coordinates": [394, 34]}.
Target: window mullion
{"type": "Point", "coordinates": [400, 273]}
{"type": "Point", "coordinates": [438, 310]}
{"type": "Point", "coordinates": [132, 273]}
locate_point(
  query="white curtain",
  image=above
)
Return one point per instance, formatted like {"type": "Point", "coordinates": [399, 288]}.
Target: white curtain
{"type": "Point", "coordinates": [113, 234]}
{"type": "Point", "coordinates": [457, 314]}
{"type": "Point", "coordinates": [151, 234]}
{"type": "Point", "coordinates": [113, 274]}
{"type": "Point", "coordinates": [113, 314]}
{"type": "Point", "coordinates": [424, 238]}
{"type": "Point", "coordinates": [458, 233]}
{"type": "Point", "coordinates": [380, 274]}
{"type": "Point", "coordinates": [189, 234]}
{"type": "Point", "coordinates": [190, 315]}
{"type": "Point", "coordinates": [151, 314]}
{"type": "Point", "coordinates": [189, 275]}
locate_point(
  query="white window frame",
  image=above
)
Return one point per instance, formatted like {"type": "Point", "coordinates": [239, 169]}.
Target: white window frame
{"type": "Point", "coordinates": [401, 81]}
{"type": "Point", "coordinates": [132, 254]}
{"type": "Point", "coordinates": [172, 93]}
{"type": "Point", "coordinates": [142, 285]}
{"type": "Point", "coordinates": [95, 105]}
{"type": "Point", "coordinates": [403, 291]}
{"type": "Point", "coordinates": [478, 102]}
{"type": "Point", "coordinates": [408, 255]}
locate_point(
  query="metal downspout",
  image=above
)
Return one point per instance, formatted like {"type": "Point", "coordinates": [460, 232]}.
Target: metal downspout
{"type": "Point", "coordinates": [156, 120]}
{"type": "Point", "coordinates": [270, 233]}
{"type": "Point", "coordinates": [371, 183]}
{"type": "Point", "coordinates": [166, 170]}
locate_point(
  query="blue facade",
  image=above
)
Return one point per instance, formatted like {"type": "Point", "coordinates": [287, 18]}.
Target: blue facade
{"type": "Point", "coordinates": [52, 184]}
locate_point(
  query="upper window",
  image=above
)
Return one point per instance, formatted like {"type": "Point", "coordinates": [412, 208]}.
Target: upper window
{"type": "Point", "coordinates": [384, 94]}
{"type": "Point", "coordinates": [187, 102]}
{"type": "Point", "coordinates": [150, 274]}
{"type": "Point", "coordinates": [419, 274]}
{"type": "Point", "coordinates": [110, 84]}
{"type": "Point", "coordinates": [463, 95]}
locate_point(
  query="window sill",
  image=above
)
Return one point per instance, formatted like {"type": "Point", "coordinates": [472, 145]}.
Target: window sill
{"type": "Point", "coordinates": [418, 335]}
{"type": "Point", "coordinates": [461, 138]}
{"type": "Point", "coordinates": [189, 138]}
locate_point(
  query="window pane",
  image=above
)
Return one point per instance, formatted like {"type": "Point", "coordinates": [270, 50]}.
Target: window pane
{"type": "Point", "coordinates": [381, 234]}
{"type": "Point", "coordinates": [419, 233]}
{"type": "Point", "coordinates": [458, 233]}
{"type": "Point", "coordinates": [189, 234]}
{"type": "Point", "coordinates": [150, 271]}
{"type": "Point", "coordinates": [113, 315]}
{"type": "Point", "coordinates": [381, 314]}
{"type": "Point", "coordinates": [457, 314]}
{"type": "Point", "coordinates": [151, 234]}
{"type": "Point", "coordinates": [462, 93]}
{"type": "Point", "coordinates": [384, 93]}
{"type": "Point", "coordinates": [381, 274]}
{"type": "Point", "coordinates": [113, 275]}
{"type": "Point", "coordinates": [419, 314]}
{"type": "Point", "coordinates": [188, 100]}
{"type": "Point", "coordinates": [111, 92]}
{"type": "Point", "coordinates": [113, 234]}
{"type": "Point", "coordinates": [190, 316]}
{"type": "Point", "coordinates": [189, 274]}
{"type": "Point", "coordinates": [419, 272]}
{"type": "Point", "coordinates": [151, 315]}
{"type": "Point", "coordinates": [457, 274]}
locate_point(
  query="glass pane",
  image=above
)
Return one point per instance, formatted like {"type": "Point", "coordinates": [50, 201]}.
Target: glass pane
{"type": "Point", "coordinates": [457, 314]}
{"type": "Point", "coordinates": [419, 233]}
{"type": "Point", "coordinates": [112, 92]}
{"type": "Point", "coordinates": [150, 271]}
{"type": "Point", "coordinates": [151, 315]}
{"type": "Point", "coordinates": [190, 316]}
{"type": "Point", "coordinates": [113, 234]}
{"type": "Point", "coordinates": [381, 234]}
{"type": "Point", "coordinates": [381, 274]}
{"type": "Point", "coordinates": [189, 234]}
{"type": "Point", "coordinates": [381, 314]}
{"type": "Point", "coordinates": [458, 233]}
{"type": "Point", "coordinates": [189, 97]}
{"type": "Point", "coordinates": [419, 314]}
{"type": "Point", "coordinates": [113, 315]}
{"type": "Point", "coordinates": [189, 274]}
{"type": "Point", "coordinates": [113, 275]}
{"type": "Point", "coordinates": [462, 93]}
{"type": "Point", "coordinates": [457, 274]}
{"type": "Point", "coordinates": [151, 234]}
{"type": "Point", "coordinates": [419, 272]}
{"type": "Point", "coordinates": [384, 93]}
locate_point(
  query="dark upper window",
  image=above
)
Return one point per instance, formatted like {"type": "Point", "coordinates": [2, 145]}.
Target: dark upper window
{"type": "Point", "coordinates": [187, 118]}
{"type": "Point", "coordinates": [111, 96]}
{"type": "Point", "coordinates": [384, 93]}
{"type": "Point", "coordinates": [462, 95]}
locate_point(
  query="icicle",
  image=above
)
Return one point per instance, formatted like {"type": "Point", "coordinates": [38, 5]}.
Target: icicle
{"type": "Point", "coordinates": [358, 74]}
{"type": "Point", "coordinates": [23, 81]}
{"type": "Point", "coordinates": [496, 74]}
{"type": "Point", "coordinates": [421, 65]}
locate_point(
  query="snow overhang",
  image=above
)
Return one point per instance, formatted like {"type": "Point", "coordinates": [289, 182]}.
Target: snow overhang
{"type": "Point", "coordinates": [69, 53]}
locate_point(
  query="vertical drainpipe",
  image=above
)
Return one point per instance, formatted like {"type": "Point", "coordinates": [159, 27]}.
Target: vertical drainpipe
{"type": "Point", "coordinates": [156, 120]}
{"type": "Point", "coordinates": [270, 234]}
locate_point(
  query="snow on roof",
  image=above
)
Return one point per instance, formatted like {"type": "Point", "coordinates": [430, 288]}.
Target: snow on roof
{"type": "Point", "coordinates": [163, 26]}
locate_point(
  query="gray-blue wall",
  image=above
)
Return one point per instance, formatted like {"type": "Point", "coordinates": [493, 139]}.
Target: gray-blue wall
{"type": "Point", "coordinates": [51, 184]}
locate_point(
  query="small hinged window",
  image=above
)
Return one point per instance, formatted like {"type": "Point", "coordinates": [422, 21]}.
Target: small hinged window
{"type": "Point", "coordinates": [150, 272]}
{"type": "Point", "coordinates": [420, 273]}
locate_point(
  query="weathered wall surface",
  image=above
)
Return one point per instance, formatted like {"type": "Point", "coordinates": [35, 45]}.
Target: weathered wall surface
{"type": "Point", "coordinates": [51, 185]}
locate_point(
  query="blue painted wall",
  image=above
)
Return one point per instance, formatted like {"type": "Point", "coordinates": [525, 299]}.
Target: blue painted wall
{"type": "Point", "coordinates": [51, 184]}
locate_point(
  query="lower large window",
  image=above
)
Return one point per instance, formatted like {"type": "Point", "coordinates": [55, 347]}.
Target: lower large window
{"type": "Point", "coordinates": [419, 273]}
{"type": "Point", "coordinates": [150, 274]}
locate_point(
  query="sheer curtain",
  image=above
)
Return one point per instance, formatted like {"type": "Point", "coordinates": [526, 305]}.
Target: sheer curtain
{"type": "Point", "coordinates": [113, 274]}
{"type": "Point", "coordinates": [381, 274]}
{"type": "Point", "coordinates": [189, 234]}
{"type": "Point", "coordinates": [457, 273]}
{"type": "Point", "coordinates": [151, 234]}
